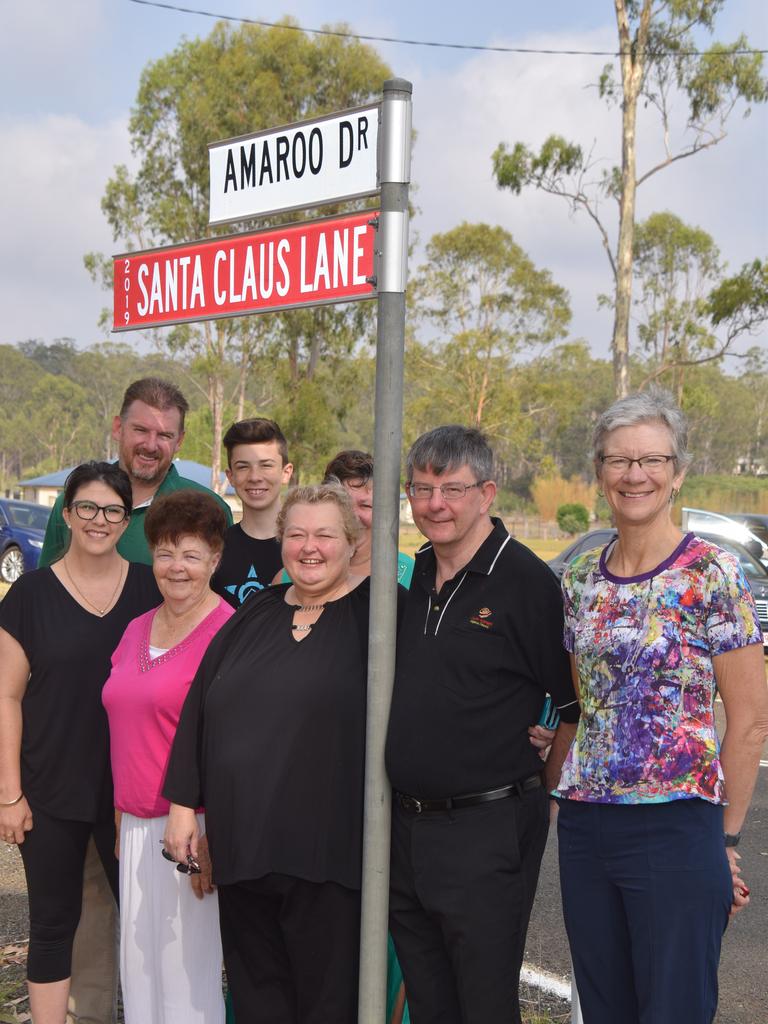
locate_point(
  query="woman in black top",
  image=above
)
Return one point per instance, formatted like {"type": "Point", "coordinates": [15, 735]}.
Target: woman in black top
{"type": "Point", "coordinates": [58, 628]}
{"type": "Point", "coordinates": [272, 742]}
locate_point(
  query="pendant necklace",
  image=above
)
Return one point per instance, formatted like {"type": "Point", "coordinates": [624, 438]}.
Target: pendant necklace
{"type": "Point", "coordinates": [306, 608]}
{"type": "Point", "coordinates": [101, 611]}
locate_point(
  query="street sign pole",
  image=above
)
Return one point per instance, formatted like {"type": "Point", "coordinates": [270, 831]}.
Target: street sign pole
{"type": "Point", "coordinates": [391, 273]}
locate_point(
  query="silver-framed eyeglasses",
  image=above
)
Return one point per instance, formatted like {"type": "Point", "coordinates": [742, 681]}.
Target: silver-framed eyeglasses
{"type": "Point", "coordinates": [89, 510]}
{"type": "Point", "coordinates": [621, 463]}
{"type": "Point", "coordinates": [451, 492]}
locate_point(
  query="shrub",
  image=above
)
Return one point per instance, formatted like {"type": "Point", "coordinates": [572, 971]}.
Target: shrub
{"type": "Point", "coordinates": [549, 492]}
{"type": "Point", "coordinates": [572, 518]}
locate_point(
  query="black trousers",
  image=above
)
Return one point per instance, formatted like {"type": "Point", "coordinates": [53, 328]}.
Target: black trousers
{"type": "Point", "coordinates": [291, 950]}
{"type": "Point", "coordinates": [462, 887]}
{"type": "Point", "coordinates": [53, 853]}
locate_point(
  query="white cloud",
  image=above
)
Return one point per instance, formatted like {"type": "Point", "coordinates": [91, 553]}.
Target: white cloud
{"type": "Point", "coordinates": [44, 35]}
{"type": "Point", "coordinates": [52, 175]}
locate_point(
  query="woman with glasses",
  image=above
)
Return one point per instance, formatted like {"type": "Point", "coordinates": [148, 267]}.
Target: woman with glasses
{"type": "Point", "coordinates": [651, 805]}
{"type": "Point", "coordinates": [170, 950]}
{"type": "Point", "coordinates": [58, 628]}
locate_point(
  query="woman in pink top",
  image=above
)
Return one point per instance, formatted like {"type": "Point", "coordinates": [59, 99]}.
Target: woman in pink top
{"type": "Point", "coordinates": [170, 951]}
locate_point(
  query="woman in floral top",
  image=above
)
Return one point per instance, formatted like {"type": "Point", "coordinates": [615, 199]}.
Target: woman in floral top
{"type": "Point", "coordinates": [650, 806]}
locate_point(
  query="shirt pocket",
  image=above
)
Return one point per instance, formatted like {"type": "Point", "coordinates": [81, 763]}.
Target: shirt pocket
{"type": "Point", "coordinates": [473, 663]}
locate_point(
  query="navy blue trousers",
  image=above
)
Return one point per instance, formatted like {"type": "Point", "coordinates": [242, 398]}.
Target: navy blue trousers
{"type": "Point", "coordinates": [646, 894]}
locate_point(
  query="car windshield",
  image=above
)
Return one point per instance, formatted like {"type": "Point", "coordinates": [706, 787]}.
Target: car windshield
{"type": "Point", "coordinates": [750, 565]}
{"type": "Point", "coordinates": [28, 516]}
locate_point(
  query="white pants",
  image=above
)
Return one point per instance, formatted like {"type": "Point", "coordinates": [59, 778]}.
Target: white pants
{"type": "Point", "coordinates": [170, 946]}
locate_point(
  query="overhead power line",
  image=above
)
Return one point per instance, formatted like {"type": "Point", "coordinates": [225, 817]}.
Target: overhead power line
{"type": "Point", "coordinates": [416, 42]}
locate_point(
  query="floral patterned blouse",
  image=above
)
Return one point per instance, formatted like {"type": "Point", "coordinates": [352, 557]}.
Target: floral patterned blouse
{"type": "Point", "coordinates": [644, 647]}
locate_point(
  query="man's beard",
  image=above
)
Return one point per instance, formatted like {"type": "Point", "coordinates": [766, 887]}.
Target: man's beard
{"type": "Point", "coordinates": [147, 474]}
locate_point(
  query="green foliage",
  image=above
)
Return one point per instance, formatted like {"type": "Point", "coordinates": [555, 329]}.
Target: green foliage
{"type": "Point", "coordinates": [556, 160]}
{"type": "Point", "coordinates": [675, 265]}
{"type": "Point", "coordinates": [486, 304]}
{"type": "Point", "coordinates": [741, 301]}
{"type": "Point", "coordinates": [573, 518]}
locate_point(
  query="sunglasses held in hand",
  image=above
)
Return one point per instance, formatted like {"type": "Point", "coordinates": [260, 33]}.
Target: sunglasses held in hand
{"type": "Point", "coordinates": [190, 868]}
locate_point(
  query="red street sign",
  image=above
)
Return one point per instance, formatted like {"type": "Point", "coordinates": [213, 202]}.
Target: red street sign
{"type": "Point", "coordinates": [321, 261]}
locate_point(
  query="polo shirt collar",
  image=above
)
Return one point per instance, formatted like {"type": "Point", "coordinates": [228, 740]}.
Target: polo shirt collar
{"type": "Point", "coordinates": [483, 560]}
{"type": "Point", "coordinates": [168, 484]}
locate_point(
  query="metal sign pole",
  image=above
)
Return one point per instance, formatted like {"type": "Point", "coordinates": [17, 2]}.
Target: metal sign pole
{"type": "Point", "coordinates": [391, 273]}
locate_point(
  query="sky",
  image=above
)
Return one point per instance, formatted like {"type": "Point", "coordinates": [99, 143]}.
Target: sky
{"type": "Point", "coordinates": [69, 73]}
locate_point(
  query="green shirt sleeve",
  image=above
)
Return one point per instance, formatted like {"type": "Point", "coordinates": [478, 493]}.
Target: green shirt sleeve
{"type": "Point", "coordinates": [56, 540]}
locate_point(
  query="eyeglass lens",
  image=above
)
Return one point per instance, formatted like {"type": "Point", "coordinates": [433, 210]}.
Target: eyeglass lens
{"type": "Point", "coordinates": [89, 510]}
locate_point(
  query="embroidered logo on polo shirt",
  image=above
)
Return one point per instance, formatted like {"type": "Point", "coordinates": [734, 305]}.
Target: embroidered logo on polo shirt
{"type": "Point", "coordinates": [482, 618]}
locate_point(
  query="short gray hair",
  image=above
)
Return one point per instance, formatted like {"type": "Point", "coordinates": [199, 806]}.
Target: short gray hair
{"type": "Point", "coordinates": [451, 447]}
{"type": "Point", "coordinates": [653, 406]}
{"type": "Point", "coordinates": [318, 494]}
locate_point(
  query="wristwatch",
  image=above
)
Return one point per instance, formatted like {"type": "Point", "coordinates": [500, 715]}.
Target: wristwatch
{"type": "Point", "coordinates": [731, 839]}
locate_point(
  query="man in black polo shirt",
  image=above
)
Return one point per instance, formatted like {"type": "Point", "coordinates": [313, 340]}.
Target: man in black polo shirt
{"type": "Point", "coordinates": [479, 647]}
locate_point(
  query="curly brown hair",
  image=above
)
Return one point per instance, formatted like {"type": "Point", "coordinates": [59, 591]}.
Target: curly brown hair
{"type": "Point", "coordinates": [186, 513]}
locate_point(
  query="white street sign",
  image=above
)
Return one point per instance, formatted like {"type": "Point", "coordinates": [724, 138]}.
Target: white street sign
{"type": "Point", "coordinates": [306, 164]}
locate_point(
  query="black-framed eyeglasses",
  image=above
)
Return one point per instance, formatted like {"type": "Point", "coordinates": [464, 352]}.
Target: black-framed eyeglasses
{"type": "Point", "coordinates": [621, 463]}
{"type": "Point", "coordinates": [451, 492]}
{"type": "Point", "coordinates": [190, 868]}
{"type": "Point", "coordinates": [89, 510]}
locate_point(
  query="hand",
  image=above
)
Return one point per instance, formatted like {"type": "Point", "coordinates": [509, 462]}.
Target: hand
{"type": "Point", "coordinates": [541, 738]}
{"type": "Point", "coordinates": [202, 883]}
{"type": "Point", "coordinates": [740, 888]}
{"type": "Point", "coordinates": [181, 833]}
{"type": "Point", "coordinates": [15, 821]}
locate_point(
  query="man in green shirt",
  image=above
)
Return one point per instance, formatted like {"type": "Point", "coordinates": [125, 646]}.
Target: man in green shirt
{"type": "Point", "coordinates": [148, 430]}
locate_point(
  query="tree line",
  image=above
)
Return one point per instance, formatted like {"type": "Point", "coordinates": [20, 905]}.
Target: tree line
{"type": "Point", "coordinates": [539, 406]}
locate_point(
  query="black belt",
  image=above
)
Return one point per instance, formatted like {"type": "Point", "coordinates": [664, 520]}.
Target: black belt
{"type": "Point", "coordinates": [417, 806]}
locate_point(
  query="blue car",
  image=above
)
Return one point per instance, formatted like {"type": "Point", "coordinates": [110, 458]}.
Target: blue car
{"type": "Point", "coordinates": [22, 528]}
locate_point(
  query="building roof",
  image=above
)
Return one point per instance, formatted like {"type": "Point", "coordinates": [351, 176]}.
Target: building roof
{"type": "Point", "coordinates": [185, 467]}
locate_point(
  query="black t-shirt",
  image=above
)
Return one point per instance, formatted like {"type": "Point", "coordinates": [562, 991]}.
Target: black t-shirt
{"type": "Point", "coordinates": [474, 663]}
{"type": "Point", "coordinates": [247, 566]}
{"type": "Point", "coordinates": [272, 742]}
{"type": "Point", "coordinates": [65, 767]}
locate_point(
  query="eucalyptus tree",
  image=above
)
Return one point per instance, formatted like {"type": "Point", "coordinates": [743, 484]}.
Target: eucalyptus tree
{"type": "Point", "coordinates": [234, 82]}
{"type": "Point", "coordinates": [659, 65]}
{"type": "Point", "coordinates": [482, 305]}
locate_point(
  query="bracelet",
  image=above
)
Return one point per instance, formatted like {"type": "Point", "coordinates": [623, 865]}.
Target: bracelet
{"type": "Point", "coordinates": [12, 803]}
{"type": "Point", "coordinates": [731, 838]}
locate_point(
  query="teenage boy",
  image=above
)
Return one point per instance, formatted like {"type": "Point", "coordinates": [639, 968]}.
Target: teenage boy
{"type": "Point", "coordinates": [257, 457]}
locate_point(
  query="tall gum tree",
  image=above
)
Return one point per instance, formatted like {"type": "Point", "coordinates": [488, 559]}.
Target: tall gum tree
{"type": "Point", "coordinates": [485, 304]}
{"type": "Point", "coordinates": [235, 81]}
{"type": "Point", "coordinates": [659, 61]}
